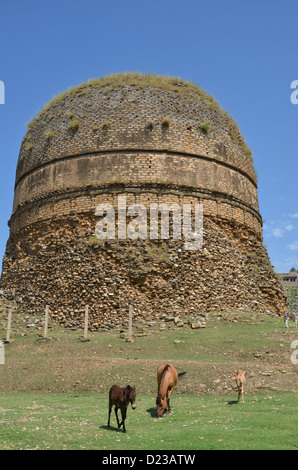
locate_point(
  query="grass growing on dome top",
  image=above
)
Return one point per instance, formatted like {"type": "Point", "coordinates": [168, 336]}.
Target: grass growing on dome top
{"type": "Point", "coordinates": [134, 79]}
{"type": "Point", "coordinates": [177, 85]}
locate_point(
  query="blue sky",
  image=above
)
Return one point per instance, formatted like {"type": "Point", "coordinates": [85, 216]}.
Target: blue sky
{"type": "Point", "coordinates": [242, 53]}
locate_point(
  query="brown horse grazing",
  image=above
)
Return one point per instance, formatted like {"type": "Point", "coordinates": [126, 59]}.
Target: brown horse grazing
{"type": "Point", "coordinates": [120, 398]}
{"type": "Point", "coordinates": [167, 378]}
{"type": "Point", "coordinates": [240, 381]}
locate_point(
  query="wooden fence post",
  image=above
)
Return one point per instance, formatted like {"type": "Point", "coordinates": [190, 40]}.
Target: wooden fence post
{"type": "Point", "coordinates": [130, 323]}
{"type": "Point", "coordinates": [86, 323]}
{"type": "Point", "coordinates": [46, 323]}
{"type": "Point", "coordinates": [2, 353]}
{"type": "Point", "coordinates": [8, 326]}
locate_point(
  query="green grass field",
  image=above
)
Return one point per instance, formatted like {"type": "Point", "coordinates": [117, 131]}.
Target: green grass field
{"type": "Point", "coordinates": [79, 421]}
{"type": "Point", "coordinates": [54, 394]}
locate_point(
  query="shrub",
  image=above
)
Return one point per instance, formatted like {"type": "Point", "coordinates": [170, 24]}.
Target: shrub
{"type": "Point", "coordinates": [149, 125]}
{"type": "Point", "coordinates": [29, 146]}
{"type": "Point", "coordinates": [205, 126]}
{"type": "Point", "coordinates": [74, 124]}
{"type": "Point", "coordinates": [165, 123]}
{"type": "Point", "coordinates": [31, 123]}
{"type": "Point", "coordinates": [49, 133]}
{"type": "Point", "coordinates": [106, 125]}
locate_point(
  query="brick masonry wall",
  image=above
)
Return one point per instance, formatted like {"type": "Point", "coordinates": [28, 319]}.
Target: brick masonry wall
{"type": "Point", "coordinates": [63, 202]}
{"type": "Point", "coordinates": [116, 119]}
{"type": "Point", "coordinates": [121, 139]}
{"type": "Point", "coordinates": [146, 143]}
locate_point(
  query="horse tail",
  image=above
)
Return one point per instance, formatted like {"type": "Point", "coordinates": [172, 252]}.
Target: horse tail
{"type": "Point", "coordinates": [181, 373]}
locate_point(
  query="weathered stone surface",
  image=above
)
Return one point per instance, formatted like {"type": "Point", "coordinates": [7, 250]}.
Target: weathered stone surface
{"type": "Point", "coordinates": [109, 138]}
{"type": "Point", "coordinates": [59, 265]}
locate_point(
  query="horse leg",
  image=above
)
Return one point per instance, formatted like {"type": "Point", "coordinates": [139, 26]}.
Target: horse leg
{"type": "Point", "coordinates": [123, 412]}
{"type": "Point", "coordinates": [110, 409]}
{"type": "Point", "coordinates": [116, 413]}
{"type": "Point", "coordinates": [168, 406]}
{"type": "Point", "coordinates": [169, 411]}
{"type": "Point", "coordinates": [241, 394]}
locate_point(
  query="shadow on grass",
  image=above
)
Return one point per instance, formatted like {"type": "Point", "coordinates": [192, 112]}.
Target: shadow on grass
{"type": "Point", "coordinates": [152, 412]}
{"type": "Point", "coordinates": [110, 428]}
{"type": "Point", "coordinates": [233, 402]}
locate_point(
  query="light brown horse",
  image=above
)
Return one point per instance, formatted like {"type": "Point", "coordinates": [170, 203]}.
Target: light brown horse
{"type": "Point", "coordinates": [167, 378]}
{"type": "Point", "coordinates": [240, 381]}
{"type": "Point", "coordinates": [291, 316]}
{"type": "Point", "coordinates": [120, 398]}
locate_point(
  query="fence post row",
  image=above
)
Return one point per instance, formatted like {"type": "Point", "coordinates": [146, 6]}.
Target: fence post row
{"type": "Point", "coordinates": [46, 323]}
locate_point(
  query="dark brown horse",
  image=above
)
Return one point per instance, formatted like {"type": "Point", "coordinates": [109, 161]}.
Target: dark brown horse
{"type": "Point", "coordinates": [167, 378]}
{"type": "Point", "coordinates": [120, 398]}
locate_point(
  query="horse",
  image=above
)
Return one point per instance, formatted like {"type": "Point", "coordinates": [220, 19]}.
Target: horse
{"type": "Point", "coordinates": [291, 316]}
{"type": "Point", "coordinates": [240, 381]}
{"type": "Point", "coordinates": [167, 378]}
{"type": "Point", "coordinates": [120, 398]}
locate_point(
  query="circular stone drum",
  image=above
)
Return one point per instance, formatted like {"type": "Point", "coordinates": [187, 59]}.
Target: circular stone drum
{"type": "Point", "coordinates": [144, 140]}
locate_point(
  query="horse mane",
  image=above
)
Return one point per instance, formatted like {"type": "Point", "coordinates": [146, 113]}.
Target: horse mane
{"type": "Point", "coordinates": [163, 372]}
{"type": "Point", "coordinates": [126, 391]}
{"type": "Point", "coordinates": [158, 400]}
